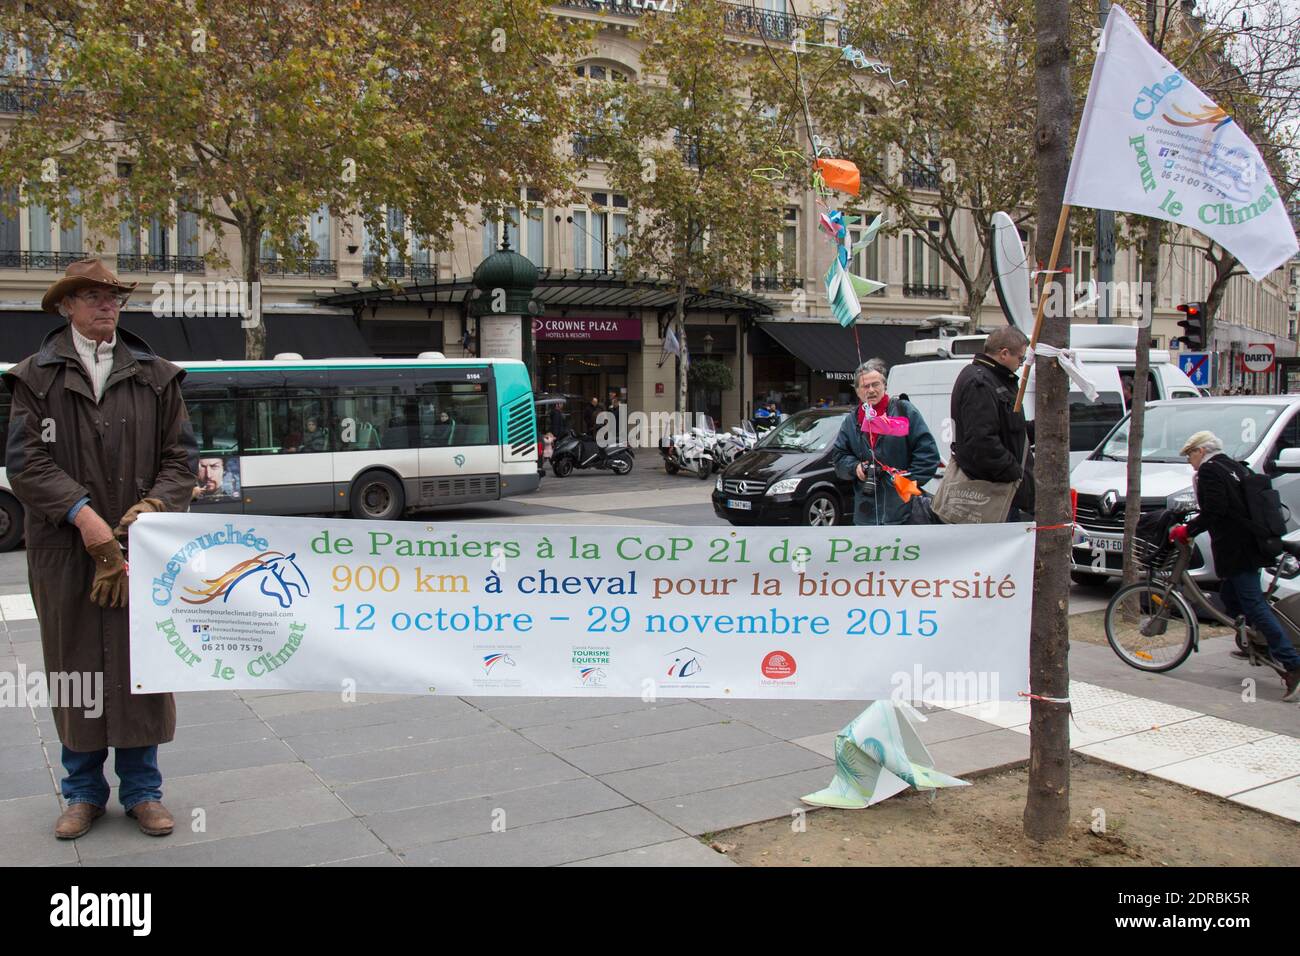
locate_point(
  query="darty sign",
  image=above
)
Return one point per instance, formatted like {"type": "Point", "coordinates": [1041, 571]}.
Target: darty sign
{"type": "Point", "coordinates": [568, 327]}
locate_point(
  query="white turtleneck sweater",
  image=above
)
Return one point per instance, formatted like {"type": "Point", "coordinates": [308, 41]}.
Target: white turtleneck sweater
{"type": "Point", "coordinates": [96, 358]}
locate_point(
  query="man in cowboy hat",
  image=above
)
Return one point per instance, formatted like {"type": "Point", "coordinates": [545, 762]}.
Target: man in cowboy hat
{"type": "Point", "coordinates": [98, 434]}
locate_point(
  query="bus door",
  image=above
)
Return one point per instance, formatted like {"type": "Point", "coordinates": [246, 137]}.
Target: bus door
{"type": "Point", "coordinates": [290, 439]}
{"type": "Point", "coordinates": [376, 422]}
{"type": "Point", "coordinates": [460, 458]}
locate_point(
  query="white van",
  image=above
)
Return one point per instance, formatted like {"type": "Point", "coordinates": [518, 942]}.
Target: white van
{"type": "Point", "coordinates": [1261, 430]}
{"type": "Point", "coordinates": [1108, 354]}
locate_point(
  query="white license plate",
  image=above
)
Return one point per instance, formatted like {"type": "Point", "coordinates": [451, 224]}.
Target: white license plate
{"type": "Point", "coordinates": [741, 505]}
{"type": "Point", "coordinates": [1097, 543]}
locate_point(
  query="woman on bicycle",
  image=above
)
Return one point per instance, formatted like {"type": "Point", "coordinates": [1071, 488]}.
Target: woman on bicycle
{"type": "Point", "coordinates": [1221, 498]}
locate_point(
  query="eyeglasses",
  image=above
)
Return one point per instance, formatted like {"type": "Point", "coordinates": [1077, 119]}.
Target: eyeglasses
{"type": "Point", "coordinates": [103, 298]}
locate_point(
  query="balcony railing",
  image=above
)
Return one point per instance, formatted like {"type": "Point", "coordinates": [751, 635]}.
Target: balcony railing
{"type": "Point", "coordinates": [56, 261]}
{"type": "Point", "coordinates": [400, 270]}
{"type": "Point", "coordinates": [738, 18]}
{"type": "Point", "coordinates": [589, 146]}
{"type": "Point", "coordinates": [127, 262]}
{"type": "Point", "coordinates": [25, 94]}
{"type": "Point", "coordinates": [306, 267]}
{"type": "Point", "coordinates": [921, 177]}
{"type": "Point", "coordinates": [925, 291]}
{"type": "Point", "coordinates": [776, 283]}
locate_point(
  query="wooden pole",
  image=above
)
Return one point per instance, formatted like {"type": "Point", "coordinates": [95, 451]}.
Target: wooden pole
{"type": "Point", "coordinates": [1042, 301]}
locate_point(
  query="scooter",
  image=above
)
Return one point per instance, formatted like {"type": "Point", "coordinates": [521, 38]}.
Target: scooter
{"type": "Point", "coordinates": [573, 451]}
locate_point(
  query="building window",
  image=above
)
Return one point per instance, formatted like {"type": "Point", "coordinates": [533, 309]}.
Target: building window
{"type": "Point", "coordinates": [1083, 265]}
{"type": "Point", "coordinates": [531, 241]}
{"type": "Point", "coordinates": [599, 232]}
{"type": "Point", "coordinates": [10, 230]}
{"type": "Point", "coordinates": [921, 265]}
{"type": "Point", "coordinates": [38, 229]}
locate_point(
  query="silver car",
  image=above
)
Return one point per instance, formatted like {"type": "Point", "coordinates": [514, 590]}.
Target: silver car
{"type": "Point", "coordinates": [1261, 430]}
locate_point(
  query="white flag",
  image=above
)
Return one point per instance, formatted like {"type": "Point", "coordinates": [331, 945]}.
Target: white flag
{"type": "Point", "coordinates": [671, 345]}
{"type": "Point", "coordinates": [1151, 143]}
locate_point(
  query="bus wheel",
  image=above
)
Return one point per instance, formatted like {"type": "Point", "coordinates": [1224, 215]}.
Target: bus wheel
{"type": "Point", "coordinates": [11, 523]}
{"type": "Point", "coordinates": [378, 496]}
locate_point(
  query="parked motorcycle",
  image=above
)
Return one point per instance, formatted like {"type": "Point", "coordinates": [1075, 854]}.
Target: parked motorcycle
{"type": "Point", "coordinates": [689, 451]}
{"type": "Point", "coordinates": [574, 451]}
{"type": "Point", "coordinates": [730, 446]}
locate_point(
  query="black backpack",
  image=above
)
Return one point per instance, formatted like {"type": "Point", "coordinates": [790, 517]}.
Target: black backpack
{"type": "Point", "coordinates": [1267, 515]}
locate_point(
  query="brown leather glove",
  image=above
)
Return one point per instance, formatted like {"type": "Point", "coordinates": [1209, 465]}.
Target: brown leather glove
{"type": "Point", "coordinates": [135, 511]}
{"type": "Point", "coordinates": [109, 589]}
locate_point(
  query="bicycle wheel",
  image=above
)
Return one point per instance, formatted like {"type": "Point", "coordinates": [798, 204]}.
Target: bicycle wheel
{"type": "Point", "coordinates": [1150, 629]}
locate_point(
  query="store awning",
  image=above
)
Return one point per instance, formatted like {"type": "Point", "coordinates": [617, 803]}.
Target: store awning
{"type": "Point", "coordinates": [829, 347]}
{"type": "Point", "coordinates": [558, 288]}
{"type": "Point", "coordinates": [192, 338]}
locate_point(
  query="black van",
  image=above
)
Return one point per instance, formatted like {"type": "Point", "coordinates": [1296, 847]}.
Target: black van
{"type": "Point", "coordinates": [788, 478]}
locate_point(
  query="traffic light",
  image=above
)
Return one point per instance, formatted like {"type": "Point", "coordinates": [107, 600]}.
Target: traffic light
{"type": "Point", "coordinates": [1193, 326]}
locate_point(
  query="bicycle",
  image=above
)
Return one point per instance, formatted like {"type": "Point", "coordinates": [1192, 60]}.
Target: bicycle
{"type": "Point", "coordinates": [1153, 625]}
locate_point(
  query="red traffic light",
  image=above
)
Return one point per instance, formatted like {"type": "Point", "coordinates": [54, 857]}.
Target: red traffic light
{"type": "Point", "coordinates": [1193, 309]}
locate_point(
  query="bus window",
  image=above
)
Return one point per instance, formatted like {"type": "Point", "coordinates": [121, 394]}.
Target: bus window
{"type": "Point", "coordinates": [455, 413]}
{"type": "Point", "coordinates": [212, 413]}
{"type": "Point", "coordinates": [367, 421]}
{"type": "Point", "coordinates": [279, 420]}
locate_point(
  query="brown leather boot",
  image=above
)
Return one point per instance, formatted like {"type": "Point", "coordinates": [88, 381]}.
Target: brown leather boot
{"type": "Point", "coordinates": [153, 817]}
{"type": "Point", "coordinates": [76, 820]}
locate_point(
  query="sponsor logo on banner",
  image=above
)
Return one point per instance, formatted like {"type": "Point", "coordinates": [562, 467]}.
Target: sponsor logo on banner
{"type": "Point", "coordinates": [591, 664]}
{"type": "Point", "coordinates": [500, 666]}
{"type": "Point", "coordinates": [778, 665]}
{"type": "Point", "coordinates": [683, 669]}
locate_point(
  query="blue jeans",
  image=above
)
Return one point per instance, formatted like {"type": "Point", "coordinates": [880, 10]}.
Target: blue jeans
{"type": "Point", "coordinates": [1242, 595]}
{"type": "Point", "coordinates": [137, 769]}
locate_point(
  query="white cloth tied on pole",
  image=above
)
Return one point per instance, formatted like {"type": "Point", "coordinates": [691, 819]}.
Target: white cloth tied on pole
{"type": "Point", "coordinates": [1072, 366]}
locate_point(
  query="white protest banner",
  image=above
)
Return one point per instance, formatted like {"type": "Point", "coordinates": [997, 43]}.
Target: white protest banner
{"type": "Point", "coordinates": [251, 602]}
{"type": "Point", "coordinates": [1150, 142]}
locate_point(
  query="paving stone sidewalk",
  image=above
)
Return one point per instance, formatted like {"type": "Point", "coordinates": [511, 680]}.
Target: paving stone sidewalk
{"type": "Point", "coordinates": [282, 778]}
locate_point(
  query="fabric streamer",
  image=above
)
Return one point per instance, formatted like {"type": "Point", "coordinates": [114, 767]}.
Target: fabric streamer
{"type": "Point", "coordinates": [873, 423]}
{"type": "Point", "coordinates": [840, 174]}
{"type": "Point", "coordinates": [1070, 363]}
{"type": "Point", "coordinates": [876, 756]}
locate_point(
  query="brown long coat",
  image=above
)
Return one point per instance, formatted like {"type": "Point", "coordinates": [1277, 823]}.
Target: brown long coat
{"type": "Point", "coordinates": [136, 442]}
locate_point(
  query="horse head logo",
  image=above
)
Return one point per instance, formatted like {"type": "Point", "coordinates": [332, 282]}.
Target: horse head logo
{"type": "Point", "coordinates": [278, 574]}
{"type": "Point", "coordinates": [492, 660]}
{"type": "Point", "coordinates": [592, 676]}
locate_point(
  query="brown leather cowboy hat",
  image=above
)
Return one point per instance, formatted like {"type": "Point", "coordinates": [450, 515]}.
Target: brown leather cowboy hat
{"type": "Point", "coordinates": [82, 274]}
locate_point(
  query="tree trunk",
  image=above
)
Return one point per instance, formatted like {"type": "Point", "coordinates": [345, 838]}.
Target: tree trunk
{"type": "Point", "coordinates": [1138, 403]}
{"type": "Point", "coordinates": [978, 289]}
{"type": "Point", "coordinates": [250, 237]}
{"type": "Point", "coordinates": [1047, 808]}
{"type": "Point", "coordinates": [1223, 264]}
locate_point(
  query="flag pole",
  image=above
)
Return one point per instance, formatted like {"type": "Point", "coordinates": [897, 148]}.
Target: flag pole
{"type": "Point", "coordinates": [1042, 299]}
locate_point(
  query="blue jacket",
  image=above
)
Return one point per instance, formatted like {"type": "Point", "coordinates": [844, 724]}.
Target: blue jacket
{"type": "Point", "coordinates": [916, 452]}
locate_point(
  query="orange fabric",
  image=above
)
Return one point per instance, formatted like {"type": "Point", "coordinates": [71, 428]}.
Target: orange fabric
{"type": "Point", "coordinates": [840, 174]}
{"type": "Point", "coordinates": [906, 487]}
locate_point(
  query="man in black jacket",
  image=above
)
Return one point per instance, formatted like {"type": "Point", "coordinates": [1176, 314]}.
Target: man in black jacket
{"type": "Point", "coordinates": [1221, 497]}
{"type": "Point", "coordinates": [989, 438]}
